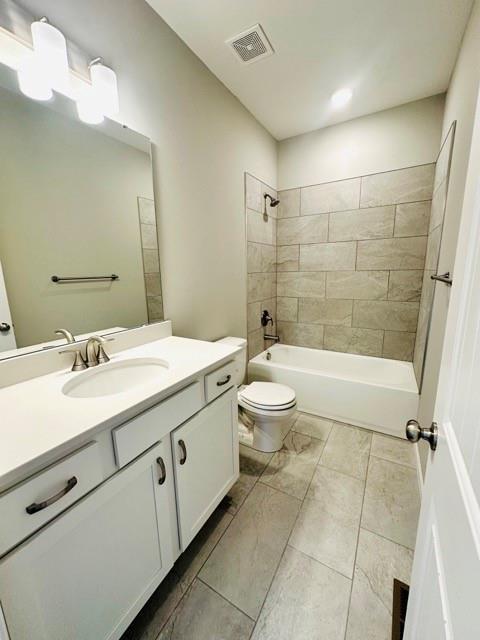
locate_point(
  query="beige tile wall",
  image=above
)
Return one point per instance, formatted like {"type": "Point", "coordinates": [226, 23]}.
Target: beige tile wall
{"type": "Point", "coordinates": [350, 262]}
{"type": "Point", "coordinates": [261, 262]}
{"type": "Point", "coordinates": [151, 262]}
{"type": "Point", "coordinates": [435, 226]}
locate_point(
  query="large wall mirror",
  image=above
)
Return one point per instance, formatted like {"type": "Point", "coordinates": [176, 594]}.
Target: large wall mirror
{"type": "Point", "coordinates": [78, 235]}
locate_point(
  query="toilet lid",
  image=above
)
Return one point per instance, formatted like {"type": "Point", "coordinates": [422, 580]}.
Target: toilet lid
{"type": "Point", "coordinates": [268, 394]}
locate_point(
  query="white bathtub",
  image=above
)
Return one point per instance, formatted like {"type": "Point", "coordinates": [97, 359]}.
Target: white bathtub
{"type": "Point", "coordinates": [375, 393]}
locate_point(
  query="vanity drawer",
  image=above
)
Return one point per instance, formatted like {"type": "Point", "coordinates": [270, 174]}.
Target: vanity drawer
{"type": "Point", "coordinates": [136, 436]}
{"type": "Point", "coordinates": [31, 504]}
{"type": "Point", "coordinates": [219, 381]}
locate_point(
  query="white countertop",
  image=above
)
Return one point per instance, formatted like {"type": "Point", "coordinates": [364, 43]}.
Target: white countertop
{"type": "Point", "coordinates": [38, 420]}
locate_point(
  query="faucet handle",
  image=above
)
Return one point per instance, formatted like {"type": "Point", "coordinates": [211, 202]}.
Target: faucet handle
{"type": "Point", "coordinates": [266, 318]}
{"type": "Point", "coordinates": [102, 357]}
{"type": "Point", "coordinates": [79, 363]}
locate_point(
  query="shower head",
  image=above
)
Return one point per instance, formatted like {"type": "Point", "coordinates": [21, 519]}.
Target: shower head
{"type": "Point", "coordinates": [273, 201]}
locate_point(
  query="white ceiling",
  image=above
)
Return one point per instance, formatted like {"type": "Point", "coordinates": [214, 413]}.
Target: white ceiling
{"type": "Point", "coordinates": [388, 51]}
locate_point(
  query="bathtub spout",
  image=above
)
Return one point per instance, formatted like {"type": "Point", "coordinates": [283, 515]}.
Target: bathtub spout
{"type": "Point", "coordinates": [267, 336]}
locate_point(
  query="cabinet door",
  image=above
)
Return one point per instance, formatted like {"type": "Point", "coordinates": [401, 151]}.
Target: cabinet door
{"type": "Point", "coordinates": [205, 453]}
{"type": "Point", "coordinates": [86, 575]}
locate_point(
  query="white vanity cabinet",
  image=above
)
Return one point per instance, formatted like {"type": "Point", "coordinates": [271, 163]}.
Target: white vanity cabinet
{"type": "Point", "coordinates": [205, 454]}
{"type": "Point", "coordinates": [87, 574]}
{"type": "Point", "coordinates": [87, 543]}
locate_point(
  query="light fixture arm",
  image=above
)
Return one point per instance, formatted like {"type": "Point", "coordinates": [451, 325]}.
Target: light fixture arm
{"type": "Point", "coordinates": [95, 61]}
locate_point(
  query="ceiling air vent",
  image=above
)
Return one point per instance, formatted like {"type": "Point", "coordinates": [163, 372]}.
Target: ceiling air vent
{"type": "Point", "coordinates": [251, 45]}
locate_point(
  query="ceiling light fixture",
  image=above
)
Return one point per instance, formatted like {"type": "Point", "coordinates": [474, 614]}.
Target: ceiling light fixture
{"type": "Point", "coordinates": [341, 98]}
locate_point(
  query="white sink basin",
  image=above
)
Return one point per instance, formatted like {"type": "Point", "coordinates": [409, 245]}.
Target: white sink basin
{"type": "Point", "coordinates": [115, 377]}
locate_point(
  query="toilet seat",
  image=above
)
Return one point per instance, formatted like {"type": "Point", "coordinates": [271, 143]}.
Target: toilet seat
{"type": "Point", "coordinates": [267, 396]}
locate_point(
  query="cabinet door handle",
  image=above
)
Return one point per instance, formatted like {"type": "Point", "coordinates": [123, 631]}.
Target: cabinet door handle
{"type": "Point", "coordinates": [182, 446]}
{"type": "Point", "coordinates": [39, 506]}
{"type": "Point", "coordinates": [226, 380]}
{"type": "Point", "coordinates": [163, 471]}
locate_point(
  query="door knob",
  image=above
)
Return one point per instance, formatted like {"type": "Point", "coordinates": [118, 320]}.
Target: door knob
{"type": "Point", "coordinates": [4, 327]}
{"type": "Point", "coordinates": [415, 433]}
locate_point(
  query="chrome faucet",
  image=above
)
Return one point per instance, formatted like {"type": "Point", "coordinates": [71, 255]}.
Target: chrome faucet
{"type": "Point", "coordinates": [68, 335]}
{"type": "Point", "coordinates": [95, 351]}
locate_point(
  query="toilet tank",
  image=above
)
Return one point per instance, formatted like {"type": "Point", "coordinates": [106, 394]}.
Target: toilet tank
{"type": "Point", "coordinates": [240, 358]}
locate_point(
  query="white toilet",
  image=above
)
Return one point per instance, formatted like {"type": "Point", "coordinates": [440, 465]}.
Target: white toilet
{"type": "Point", "coordinates": [267, 408]}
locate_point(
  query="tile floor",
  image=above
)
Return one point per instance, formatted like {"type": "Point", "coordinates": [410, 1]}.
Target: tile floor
{"type": "Point", "coordinates": [307, 548]}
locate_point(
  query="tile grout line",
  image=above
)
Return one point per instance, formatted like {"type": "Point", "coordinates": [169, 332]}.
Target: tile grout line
{"type": "Point", "coordinates": [359, 209]}
{"type": "Point", "coordinates": [358, 539]}
{"type": "Point", "coordinates": [293, 526]}
{"type": "Point", "coordinates": [400, 464]}
{"type": "Point", "coordinates": [225, 599]}
{"type": "Point", "coordinates": [317, 561]}
{"type": "Point", "coordinates": [399, 544]}
{"type": "Point", "coordinates": [171, 616]}
{"type": "Point", "coordinates": [287, 544]}
{"type": "Point", "coordinates": [196, 576]}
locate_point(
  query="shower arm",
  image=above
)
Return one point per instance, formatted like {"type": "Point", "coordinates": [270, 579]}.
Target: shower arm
{"type": "Point", "coordinates": [274, 202]}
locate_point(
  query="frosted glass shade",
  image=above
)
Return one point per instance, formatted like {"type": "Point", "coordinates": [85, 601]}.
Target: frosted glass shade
{"type": "Point", "coordinates": [104, 84]}
{"type": "Point", "coordinates": [32, 79]}
{"type": "Point", "coordinates": [88, 109]}
{"type": "Point", "coordinates": [50, 49]}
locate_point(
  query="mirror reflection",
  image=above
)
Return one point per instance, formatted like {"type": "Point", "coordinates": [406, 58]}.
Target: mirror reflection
{"type": "Point", "coordinates": [78, 234]}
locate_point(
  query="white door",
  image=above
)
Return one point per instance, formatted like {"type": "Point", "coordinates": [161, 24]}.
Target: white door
{"type": "Point", "coordinates": [7, 334]}
{"type": "Point", "coordinates": [445, 587]}
{"type": "Point", "coordinates": [87, 574]}
{"type": "Point", "coordinates": [205, 453]}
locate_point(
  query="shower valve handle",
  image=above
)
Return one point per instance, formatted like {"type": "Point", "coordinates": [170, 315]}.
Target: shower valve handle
{"type": "Point", "coordinates": [266, 318]}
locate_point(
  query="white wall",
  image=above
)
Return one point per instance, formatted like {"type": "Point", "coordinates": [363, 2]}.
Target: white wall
{"type": "Point", "coordinates": [204, 140]}
{"type": "Point", "coordinates": [404, 136]}
{"type": "Point", "coordinates": [460, 106]}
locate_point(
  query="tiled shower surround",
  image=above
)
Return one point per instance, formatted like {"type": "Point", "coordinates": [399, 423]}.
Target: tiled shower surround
{"type": "Point", "coordinates": [350, 258]}
{"type": "Point", "coordinates": [151, 261]}
{"type": "Point", "coordinates": [439, 202]}
{"type": "Point", "coordinates": [261, 261]}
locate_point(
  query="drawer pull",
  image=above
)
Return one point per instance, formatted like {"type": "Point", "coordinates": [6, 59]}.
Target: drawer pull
{"type": "Point", "coordinates": [39, 506]}
{"type": "Point", "coordinates": [182, 446]}
{"type": "Point", "coordinates": [226, 380]}
{"type": "Point", "coordinates": [163, 471]}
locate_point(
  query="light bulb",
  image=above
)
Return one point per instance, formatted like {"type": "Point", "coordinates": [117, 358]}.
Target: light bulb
{"type": "Point", "coordinates": [104, 85]}
{"type": "Point", "coordinates": [88, 109]}
{"type": "Point", "coordinates": [32, 80]}
{"type": "Point", "coordinates": [50, 50]}
{"type": "Point", "coordinates": [341, 98]}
